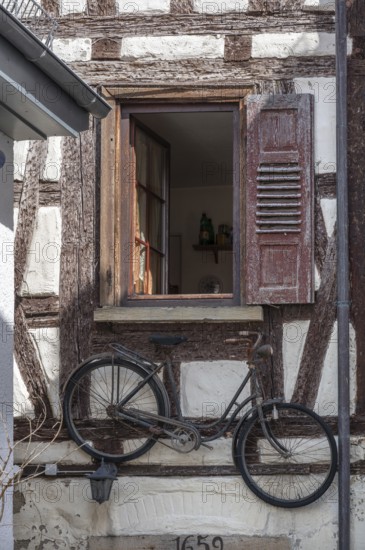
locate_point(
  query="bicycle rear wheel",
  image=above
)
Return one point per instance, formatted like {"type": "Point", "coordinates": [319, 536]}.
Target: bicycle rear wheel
{"type": "Point", "coordinates": [90, 406]}
{"type": "Point", "coordinates": [305, 468]}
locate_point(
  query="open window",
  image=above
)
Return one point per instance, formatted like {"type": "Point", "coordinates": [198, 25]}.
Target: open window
{"type": "Point", "coordinates": [244, 167]}
{"type": "Point", "coordinates": [181, 185]}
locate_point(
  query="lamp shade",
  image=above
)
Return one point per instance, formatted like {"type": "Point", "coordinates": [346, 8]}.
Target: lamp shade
{"type": "Point", "coordinates": [101, 481]}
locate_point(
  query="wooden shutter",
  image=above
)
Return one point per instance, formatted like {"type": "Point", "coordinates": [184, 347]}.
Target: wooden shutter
{"type": "Point", "coordinates": [279, 199]}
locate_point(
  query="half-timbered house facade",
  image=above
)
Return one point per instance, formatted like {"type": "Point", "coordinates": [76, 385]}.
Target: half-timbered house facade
{"type": "Point", "coordinates": [210, 101]}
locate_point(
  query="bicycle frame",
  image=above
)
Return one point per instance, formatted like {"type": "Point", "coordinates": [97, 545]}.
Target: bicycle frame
{"type": "Point", "coordinates": [152, 370]}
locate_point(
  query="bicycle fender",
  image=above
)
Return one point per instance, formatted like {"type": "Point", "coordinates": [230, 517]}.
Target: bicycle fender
{"type": "Point", "coordinates": [250, 412]}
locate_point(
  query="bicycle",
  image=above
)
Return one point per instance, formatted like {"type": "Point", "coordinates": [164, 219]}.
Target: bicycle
{"type": "Point", "coordinates": [116, 408]}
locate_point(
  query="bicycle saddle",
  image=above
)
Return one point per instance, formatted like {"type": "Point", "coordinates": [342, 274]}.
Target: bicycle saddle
{"type": "Point", "coordinates": [167, 339]}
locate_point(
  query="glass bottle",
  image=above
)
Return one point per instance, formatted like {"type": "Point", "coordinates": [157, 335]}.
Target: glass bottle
{"type": "Point", "coordinates": [204, 234]}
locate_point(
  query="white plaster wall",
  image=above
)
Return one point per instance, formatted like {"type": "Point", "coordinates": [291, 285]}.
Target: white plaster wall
{"type": "Point", "coordinates": [52, 167]}
{"type": "Point", "coordinates": [187, 205]}
{"type": "Point", "coordinates": [319, 5]}
{"type": "Point", "coordinates": [21, 149]}
{"type": "Point", "coordinates": [72, 49]}
{"type": "Point", "coordinates": [143, 6]}
{"type": "Point", "coordinates": [324, 91]}
{"type": "Point", "coordinates": [294, 336]}
{"type": "Point", "coordinates": [47, 344]}
{"type": "Point", "coordinates": [207, 387]}
{"type": "Point", "coordinates": [295, 44]}
{"type": "Point", "coordinates": [220, 6]}
{"type": "Point", "coordinates": [43, 261]}
{"type": "Point", "coordinates": [329, 210]}
{"type": "Point", "coordinates": [210, 505]}
{"type": "Point", "coordinates": [22, 404]}
{"type": "Point", "coordinates": [172, 47]}
{"type": "Point", "coordinates": [327, 397]}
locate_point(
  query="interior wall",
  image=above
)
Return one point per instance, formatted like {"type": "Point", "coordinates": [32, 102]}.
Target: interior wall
{"type": "Point", "coordinates": [186, 207]}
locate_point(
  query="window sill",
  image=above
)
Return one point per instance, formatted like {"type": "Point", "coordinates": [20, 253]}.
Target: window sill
{"type": "Point", "coordinates": [178, 314]}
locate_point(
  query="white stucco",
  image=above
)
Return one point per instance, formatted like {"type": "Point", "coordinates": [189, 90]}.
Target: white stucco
{"type": "Point", "coordinates": [21, 149]}
{"type": "Point", "coordinates": [199, 505]}
{"type": "Point", "coordinates": [208, 387]}
{"type": "Point", "coordinates": [324, 91]}
{"type": "Point", "coordinates": [143, 6]}
{"type": "Point", "coordinates": [72, 49]}
{"type": "Point", "coordinates": [319, 5]}
{"type": "Point", "coordinates": [294, 336]}
{"type": "Point", "coordinates": [22, 404]}
{"type": "Point", "coordinates": [327, 397]}
{"type": "Point", "coordinates": [70, 7]}
{"type": "Point", "coordinates": [172, 47]}
{"type": "Point", "coordinates": [52, 167]}
{"type": "Point", "coordinates": [65, 452]}
{"type": "Point", "coordinates": [329, 210]}
{"type": "Point", "coordinates": [47, 343]}
{"type": "Point", "coordinates": [42, 271]}
{"type": "Point", "coordinates": [220, 6]}
{"type": "Point", "coordinates": [295, 44]}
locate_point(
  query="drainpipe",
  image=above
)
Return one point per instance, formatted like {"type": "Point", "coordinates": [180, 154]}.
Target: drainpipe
{"type": "Point", "coordinates": [343, 304]}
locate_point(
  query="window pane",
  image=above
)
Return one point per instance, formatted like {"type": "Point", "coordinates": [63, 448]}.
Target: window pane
{"type": "Point", "coordinates": [155, 223]}
{"type": "Point", "coordinates": [141, 148]}
{"type": "Point", "coordinates": [140, 262]}
{"type": "Point", "coordinates": [141, 215]}
{"type": "Point", "coordinates": [155, 273]}
{"type": "Point", "coordinates": [157, 168]}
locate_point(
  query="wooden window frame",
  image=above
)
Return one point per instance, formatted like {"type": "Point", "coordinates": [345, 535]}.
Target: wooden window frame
{"type": "Point", "coordinates": [115, 226]}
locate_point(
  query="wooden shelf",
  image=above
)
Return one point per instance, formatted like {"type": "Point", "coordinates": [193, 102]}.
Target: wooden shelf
{"type": "Point", "coordinates": [215, 248]}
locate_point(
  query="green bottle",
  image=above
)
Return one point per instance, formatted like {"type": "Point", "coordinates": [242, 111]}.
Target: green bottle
{"type": "Point", "coordinates": [204, 234]}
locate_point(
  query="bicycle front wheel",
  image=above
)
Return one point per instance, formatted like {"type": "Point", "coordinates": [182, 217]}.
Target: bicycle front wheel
{"type": "Point", "coordinates": [91, 404]}
{"type": "Point", "coordinates": [290, 458]}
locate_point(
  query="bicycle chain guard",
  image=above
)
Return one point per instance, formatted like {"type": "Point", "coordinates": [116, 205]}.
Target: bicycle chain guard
{"type": "Point", "coordinates": [185, 440]}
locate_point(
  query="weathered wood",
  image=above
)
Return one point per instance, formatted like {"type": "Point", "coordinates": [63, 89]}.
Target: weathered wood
{"type": "Point", "coordinates": [325, 185]}
{"type": "Point", "coordinates": [102, 8]}
{"type": "Point", "coordinates": [77, 291]}
{"type": "Point", "coordinates": [36, 307]}
{"type": "Point", "coordinates": [213, 71]}
{"type": "Point", "coordinates": [279, 240]}
{"type": "Point", "coordinates": [274, 376]}
{"type": "Point", "coordinates": [237, 48]}
{"type": "Point", "coordinates": [356, 162]}
{"type": "Point", "coordinates": [181, 6]}
{"type": "Point", "coordinates": [29, 365]}
{"type": "Point", "coordinates": [166, 93]}
{"type": "Point", "coordinates": [105, 48]}
{"type": "Point", "coordinates": [205, 341]}
{"type": "Point", "coordinates": [107, 206]}
{"type": "Point", "coordinates": [319, 332]}
{"type": "Point", "coordinates": [321, 239]}
{"type": "Point", "coordinates": [274, 6]}
{"type": "Point", "coordinates": [227, 24]}
{"type": "Point", "coordinates": [28, 206]}
{"type": "Point", "coordinates": [356, 18]}
{"type": "Point", "coordinates": [49, 193]}
{"type": "Point", "coordinates": [177, 314]}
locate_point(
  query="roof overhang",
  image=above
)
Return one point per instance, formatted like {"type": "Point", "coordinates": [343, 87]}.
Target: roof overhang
{"type": "Point", "coordinates": [40, 96]}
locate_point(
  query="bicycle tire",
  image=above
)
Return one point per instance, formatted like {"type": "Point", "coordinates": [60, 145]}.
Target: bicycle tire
{"type": "Point", "coordinates": [305, 474]}
{"type": "Point", "coordinates": [90, 395]}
